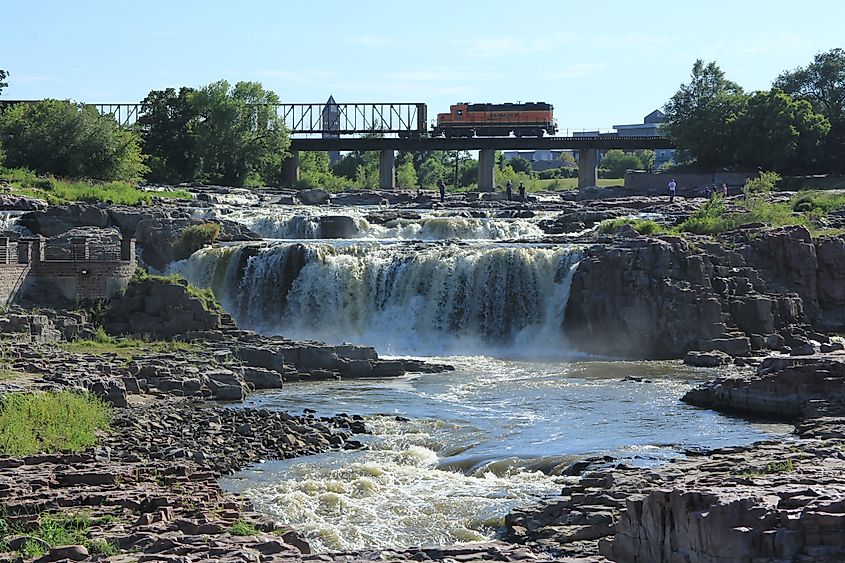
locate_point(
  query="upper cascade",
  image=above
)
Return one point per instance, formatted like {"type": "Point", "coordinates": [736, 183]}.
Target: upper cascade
{"type": "Point", "coordinates": [403, 298]}
{"type": "Point", "coordinates": [299, 223]}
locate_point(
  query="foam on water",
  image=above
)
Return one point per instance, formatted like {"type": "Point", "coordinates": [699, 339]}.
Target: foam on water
{"type": "Point", "coordinates": [297, 222]}
{"type": "Point", "coordinates": [418, 299]}
{"type": "Point", "coordinates": [388, 496]}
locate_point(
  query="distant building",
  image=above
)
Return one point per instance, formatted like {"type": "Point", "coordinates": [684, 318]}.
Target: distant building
{"type": "Point", "coordinates": [541, 159]}
{"type": "Point", "coordinates": [650, 127]}
{"type": "Point", "coordinates": [331, 122]}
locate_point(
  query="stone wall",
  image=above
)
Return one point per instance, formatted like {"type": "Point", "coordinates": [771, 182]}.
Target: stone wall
{"type": "Point", "coordinates": [12, 277]}
{"type": "Point", "coordinates": [87, 271]}
{"type": "Point", "coordinates": [639, 182]}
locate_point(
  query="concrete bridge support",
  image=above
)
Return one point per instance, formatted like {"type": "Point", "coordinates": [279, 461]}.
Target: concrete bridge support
{"type": "Point", "coordinates": [588, 168]}
{"type": "Point", "coordinates": [290, 169]}
{"type": "Point", "coordinates": [486, 170]}
{"type": "Point", "coordinates": [387, 170]}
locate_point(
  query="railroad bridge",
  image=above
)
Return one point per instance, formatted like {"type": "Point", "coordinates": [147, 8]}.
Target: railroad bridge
{"type": "Point", "coordinates": [388, 127]}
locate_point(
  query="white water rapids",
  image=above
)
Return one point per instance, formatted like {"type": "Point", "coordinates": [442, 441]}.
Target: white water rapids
{"type": "Point", "coordinates": [281, 222]}
{"type": "Point", "coordinates": [491, 435]}
{"type": "Point", "coordinates": [401, 298]}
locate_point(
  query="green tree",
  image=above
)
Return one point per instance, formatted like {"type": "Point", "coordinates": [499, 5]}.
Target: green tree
{"type": "Point", "coordinates": [568, 160]}
{"type": "Point", "coordinates": [822, 83]}
{"type": "Point", "coordinates": [617, 162]}
{"type": "Point", "coordinates": [240, 140]}
{"type": "Point", "coordinates": [167, 129]}
{"type": "Point", "coordinates": [315, 172]}
{"type": "Point", "coordinates": [218, 133]}
{"type": "Point", "coordinates": [69, 140]}
{"type": "Point", "coordinates": [776, 132]}
{"type": "Point", "coordinates": [520, 164]}
{"type": "Point", "coordinates": [700, 116]}
{"type": "Point", "coordinates": [3, 76]}
{"type": "Point", "coordinates": [432, 170]}
{"type": "Point", "coordinates": [646, 157]}
{"type": "Point", "coordinates": [406, 174]}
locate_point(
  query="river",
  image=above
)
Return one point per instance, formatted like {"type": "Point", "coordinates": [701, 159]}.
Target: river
{"type": "Point", "coordinates": [495, 433]}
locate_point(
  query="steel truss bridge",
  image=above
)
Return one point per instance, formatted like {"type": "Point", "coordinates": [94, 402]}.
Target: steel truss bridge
{"type": "Point", "coordinates": [402, 119]}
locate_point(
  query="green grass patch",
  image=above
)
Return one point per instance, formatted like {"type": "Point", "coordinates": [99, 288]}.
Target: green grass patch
{"type": "Point", "coordinates": [54, 530]}
{"type": "Point", "coordinates": [243, 528]}
{"type": "Point", "coordinates": [8, 374]}
{"type": "Point", "coordinates": [50, 422]}
{"type": "Point", "coordinates": [642, 226]}
{"type": "Point", "coordinates": [772, 468]}
{"type": "Point", "coordinates": [817, 202]}
{"type": "Point", "coordinates": [56, 191]}
{"type": "Point", "coordinates": [204, 294]}
{"type": "Point", "coordinates": [194, 237]}
{"type": "Point", "coordinates": [126, 348]}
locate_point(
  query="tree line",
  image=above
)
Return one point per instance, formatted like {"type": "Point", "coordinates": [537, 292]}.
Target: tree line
{"type": "Point", "coordinates": [228, 134]}
{"type": "Point", "coordinates": [797, 126]}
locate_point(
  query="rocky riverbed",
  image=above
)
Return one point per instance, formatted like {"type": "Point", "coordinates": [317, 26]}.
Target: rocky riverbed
{"type": "Point", "coordinates": [755, 304]}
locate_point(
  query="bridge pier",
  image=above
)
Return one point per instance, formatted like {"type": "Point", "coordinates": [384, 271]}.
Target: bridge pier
{"type": "Point", "coordinates": [588, 168]}
{"type": "Point", "coordinates": [387, 169]}
{"type": "Point", "coordinates": [486, 170]}
{"type": "Point", "coordinates": [290, 169]}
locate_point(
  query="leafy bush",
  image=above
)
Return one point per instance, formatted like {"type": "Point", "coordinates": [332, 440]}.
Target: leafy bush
{"type": "Point", "coordinates": [711, 218]}
{"type": "Point", "coordinates": [55, 421]}
{"type": "Point", "coordinates": [242, 528]}
{"type": "Point", "coordinates": [642, 226]}
{"type": "Point", "coordinates": [69, 140]}
{"type": "Point", "coordinates": [57, 192]}
{"type": "Point", "coordinates": [764, 182]}
{"type": "Point", "coordinates": [194, 237]}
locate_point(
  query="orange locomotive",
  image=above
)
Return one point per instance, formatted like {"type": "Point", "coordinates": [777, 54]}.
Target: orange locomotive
{"type": "Point", "coordinates": [530, 119]}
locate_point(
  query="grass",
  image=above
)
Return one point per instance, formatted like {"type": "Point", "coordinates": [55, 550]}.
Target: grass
{"type": "Point", "coordinates": [7, 373]}
{"type": "Point", "coordinates": [642, 226]}
{"type": "Point", "coordinates": [204, 294]}
{"type": "Point", "coordinates": [57, 191]}
{"type": "Point", "coordinates": [126, 348]}
{"type": "Point", "coordinates": [54, 530]}
{"type": "Point", "coordinates": [243, 528]}
{"type": "Point", "coordinates": [772, 468]}
{"type": "Point", "coordinates": [194, 237]}
{"type": "Point", "coordinates": [50, 422]}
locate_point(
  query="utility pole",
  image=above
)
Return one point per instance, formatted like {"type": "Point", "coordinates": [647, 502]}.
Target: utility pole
{"type": "Point", "coordinates": [457, 159]}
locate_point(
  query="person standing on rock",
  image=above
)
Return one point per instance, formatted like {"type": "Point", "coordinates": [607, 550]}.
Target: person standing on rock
{"type": "Point", "coordinates": [725, 190]}
{"type": "Point", "coordinates": [509, 190]}
{"type": "Point", "coordinates": [672, 186]}
{"type": "Point", "coordinates": [442, 186]}
{"type": "Point", "coordinates": [522, 192]}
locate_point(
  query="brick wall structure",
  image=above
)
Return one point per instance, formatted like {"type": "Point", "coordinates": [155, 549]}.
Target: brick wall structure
{"type": "Point", "coordinates": [79, 271]}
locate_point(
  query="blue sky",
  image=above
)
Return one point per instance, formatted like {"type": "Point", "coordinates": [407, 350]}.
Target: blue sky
{"type": "Point", "coordinates": [600, 63]}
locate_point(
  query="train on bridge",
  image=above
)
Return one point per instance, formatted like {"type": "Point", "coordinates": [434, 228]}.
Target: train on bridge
{"type": "Point", "coordinates": [529, 119]}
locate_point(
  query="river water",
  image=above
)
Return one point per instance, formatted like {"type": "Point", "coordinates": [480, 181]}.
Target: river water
{"type": "Point", "coordinates": [495, 433]}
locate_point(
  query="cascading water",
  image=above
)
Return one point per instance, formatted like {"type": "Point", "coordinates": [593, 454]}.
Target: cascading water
{"type": "Point", "coordinates": [468, 445]}
{"type": "Point", "coordinates": [298, 223]}
{"type": "Point", "coordinates": [402, 298]}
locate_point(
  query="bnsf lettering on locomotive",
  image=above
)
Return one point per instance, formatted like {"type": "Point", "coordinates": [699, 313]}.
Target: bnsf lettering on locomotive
{"type": "Point", "coordinates": [504, 114]}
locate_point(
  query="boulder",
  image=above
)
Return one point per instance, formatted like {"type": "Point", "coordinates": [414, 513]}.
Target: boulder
{"type": "Point", "coordinates": [315, 196]}
{"type": "Point", "coordinates": [338, 226]}
{"type": "Point", "coordinates": [711, 359]}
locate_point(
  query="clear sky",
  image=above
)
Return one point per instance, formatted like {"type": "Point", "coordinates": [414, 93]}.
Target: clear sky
{"type": "Point", "coordinates": [599, 62]}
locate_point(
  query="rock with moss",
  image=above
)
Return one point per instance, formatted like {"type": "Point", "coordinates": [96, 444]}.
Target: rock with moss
{"type": "Point", "coordinates": [163, 308]}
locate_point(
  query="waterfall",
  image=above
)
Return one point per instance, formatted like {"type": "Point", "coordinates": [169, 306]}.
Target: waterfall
{"type": "Point", "coordinates": [401, 297]}
{"type": "Point", "coordinates": [298, 223]}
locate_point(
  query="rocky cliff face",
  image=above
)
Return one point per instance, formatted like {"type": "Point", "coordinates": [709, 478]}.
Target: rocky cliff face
{"type": "Point", "coordinates": [161, 309]}
{"type": "Point", "coordinates": [156, 228]}
{"type": "Point", "coordinates": [660, 297]}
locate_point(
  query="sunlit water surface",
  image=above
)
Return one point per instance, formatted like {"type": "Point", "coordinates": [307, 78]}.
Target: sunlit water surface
{"type": "Point", "coordinates": [490, 436]}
